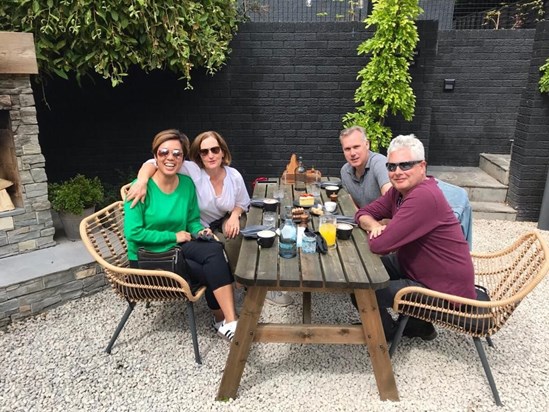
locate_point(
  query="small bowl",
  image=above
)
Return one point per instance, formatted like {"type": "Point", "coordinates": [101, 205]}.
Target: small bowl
{"type": "Point", "coordinates": [270, 205]}
{"type": "Point", "coordinates": [331, 190]}
{"type": "Point", "coordinates": [330, 206]}
{"type": "Point", "coordinates": [266, 238]}
{"type": "Point", "coordinates": [344, 230]}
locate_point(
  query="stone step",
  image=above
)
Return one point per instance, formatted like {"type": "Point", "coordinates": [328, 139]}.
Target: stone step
{"type": "Point", "coordinates": [496, 165]}
{"type": "Point", "coordinates": [480, 186]}
{"type": "Point", "coordinates": [486, 194]}
{"type": "Point", "coordinates": [493, 211]}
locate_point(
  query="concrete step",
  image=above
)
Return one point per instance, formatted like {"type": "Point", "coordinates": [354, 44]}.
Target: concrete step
{"type": "Point", "coordinates": [496, 165]}
{"type": "Point", "coordinates": [486, 194]}
{"type": "Point", "coordinates": [480, 186]}
{"type": "Point", "coordinates": [493, 211]}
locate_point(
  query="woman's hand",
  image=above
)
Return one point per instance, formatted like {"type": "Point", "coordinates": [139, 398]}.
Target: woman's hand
{"type": "Point", "coordinates": [137, 192]}
{"type": "Point", "coordinates": [206, 232]}
{"type": "Point", "coordinates": [182, 237]}
{"type": "Point", "coordinates": [231, 229]}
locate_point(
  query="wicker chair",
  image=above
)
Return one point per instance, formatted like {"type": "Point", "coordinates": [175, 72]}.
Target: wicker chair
{"type": "Point", "coordinates": [504, 278]}
{"type": "Point", "coordinates": [103, 236]}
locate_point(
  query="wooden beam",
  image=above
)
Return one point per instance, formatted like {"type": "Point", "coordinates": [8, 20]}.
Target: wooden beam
{"type": "Point", "coordinates": [17, 54]}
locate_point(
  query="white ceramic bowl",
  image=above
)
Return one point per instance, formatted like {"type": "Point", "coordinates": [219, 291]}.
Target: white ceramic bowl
{"type": "Point", "coordinates": [330, 206]}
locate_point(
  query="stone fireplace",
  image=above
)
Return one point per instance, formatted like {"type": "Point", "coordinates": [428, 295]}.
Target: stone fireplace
{"type": "Point", "coordinates": [25, 216]}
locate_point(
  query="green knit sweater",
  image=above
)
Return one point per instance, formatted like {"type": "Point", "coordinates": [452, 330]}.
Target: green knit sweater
{"type": "Point", "coordinates": [154, 223]}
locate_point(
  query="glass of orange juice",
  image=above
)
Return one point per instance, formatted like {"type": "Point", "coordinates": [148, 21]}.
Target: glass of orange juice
{"type": "Point", "coordinates": [327, 230]}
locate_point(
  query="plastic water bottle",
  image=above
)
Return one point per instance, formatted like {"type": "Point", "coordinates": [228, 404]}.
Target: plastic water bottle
{"type": "Point", "coordinates": [287, 243]}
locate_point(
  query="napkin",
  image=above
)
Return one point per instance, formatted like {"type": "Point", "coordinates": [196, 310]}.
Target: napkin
{"type": "Point", "coordinates": [251, 231]}
{"type": "Point", "coordinates": [257, 202]}
{"type": "Point", "coordinates": [345, 219]}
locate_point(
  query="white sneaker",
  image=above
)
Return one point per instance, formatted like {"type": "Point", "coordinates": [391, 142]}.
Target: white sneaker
{"type": "Point", "coordinates": [276, 297]}
{"type": "Point", "coordinates": [216, 325]}
{"type": "Point", "coordinates": [227, 330]}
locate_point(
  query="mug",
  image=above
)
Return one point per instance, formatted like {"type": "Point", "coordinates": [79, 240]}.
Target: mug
{"type": "Point", "coordinates": [344, 231]}
{"type": "Point", "coordinates": [266, 238]}
{"type": "Point", "coordinates": [270, 205]}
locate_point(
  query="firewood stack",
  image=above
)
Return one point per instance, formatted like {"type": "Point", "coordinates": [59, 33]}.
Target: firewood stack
{"type": "Point", "coordinates": [5, 200]}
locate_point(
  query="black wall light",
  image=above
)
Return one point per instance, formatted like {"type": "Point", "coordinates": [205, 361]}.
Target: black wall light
{"type": "Point", "coordinates": [449, 85]}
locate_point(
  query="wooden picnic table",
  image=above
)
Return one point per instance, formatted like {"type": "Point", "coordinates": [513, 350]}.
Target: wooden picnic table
{"type": "Point", "coordinates": [350, 267]}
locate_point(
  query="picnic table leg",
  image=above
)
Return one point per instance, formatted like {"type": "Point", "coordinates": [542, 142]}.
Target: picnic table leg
{"type": "Point", "coordinates": [306, 307]}
{"type": "Point", "coordinates": [377, 346]}
{"type": "Point", "coordinates": [240, 346]}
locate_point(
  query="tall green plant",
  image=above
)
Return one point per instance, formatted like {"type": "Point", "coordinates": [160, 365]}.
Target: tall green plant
{"type": "Point", "coordinates": [386, 81]}
{"type": "Point", "coordinates": [110, 36]}
{"type": "Point", "coordinates": [544, 81]}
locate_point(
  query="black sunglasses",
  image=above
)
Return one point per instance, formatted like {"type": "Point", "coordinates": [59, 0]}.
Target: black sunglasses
{"type": "Point", "coordinates": [214, 150]}
{"type": "Point", "coordinates": [404, 166]}
{"type": "Point", "coordinates": [165, 152]}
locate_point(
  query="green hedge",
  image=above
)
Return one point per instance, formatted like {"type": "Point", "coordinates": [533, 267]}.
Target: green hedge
{"type": "Point", "coordinates": [110, 36]}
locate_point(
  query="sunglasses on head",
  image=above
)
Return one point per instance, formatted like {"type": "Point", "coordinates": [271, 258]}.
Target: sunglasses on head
{"type": "Point", "coordinates": [404, 166]}
{"type": "Point", "coordinates": [214, 150]}
{"type": "Point", "coordinates": [165, 152]}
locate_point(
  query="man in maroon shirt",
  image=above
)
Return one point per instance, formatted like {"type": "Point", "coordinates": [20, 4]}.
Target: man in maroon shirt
{"type": "Point", "coordinates": [423, 232]}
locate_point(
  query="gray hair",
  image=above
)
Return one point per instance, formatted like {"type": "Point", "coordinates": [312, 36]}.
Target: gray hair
{"type": "Point", "coordinates": [346, 132]}
{"type": "Point", "coordinates": [408, 142]}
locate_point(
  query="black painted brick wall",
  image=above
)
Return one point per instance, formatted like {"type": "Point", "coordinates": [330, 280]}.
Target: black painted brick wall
{"type": "Point", "coordinates": [490, 69]}
{"type": "Point", "coordinates": [529, 160]}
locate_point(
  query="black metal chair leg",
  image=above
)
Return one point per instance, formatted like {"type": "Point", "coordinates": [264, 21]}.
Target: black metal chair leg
{"type": "Point", "coordinates": [192, 325]}
{"type": "Point", "coordinates": [121, 324]}
{"type": "Point", "coordinates": [398, 335]}
{"type": "Point", "coordinates": [489, 340]}
{"type": "Point", "coordinates": [487, 371]}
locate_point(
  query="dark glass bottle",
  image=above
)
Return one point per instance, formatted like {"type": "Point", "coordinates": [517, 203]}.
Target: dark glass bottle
{"type": "Point", "coordinates": [300, 176]}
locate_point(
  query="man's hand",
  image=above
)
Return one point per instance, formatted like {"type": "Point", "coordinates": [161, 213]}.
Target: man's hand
{"type": "Point", "coordinates": [376, 231]}
{"type": "Point", "coordinates": [137, 192]}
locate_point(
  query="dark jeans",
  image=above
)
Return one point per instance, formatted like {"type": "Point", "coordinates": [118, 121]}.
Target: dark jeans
{"type": "Point", "coordinates": [207, 266]}
{"type": "Point", "coordinates": [386, 296]}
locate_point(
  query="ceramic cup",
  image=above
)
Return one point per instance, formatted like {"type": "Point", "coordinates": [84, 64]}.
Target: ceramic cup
{"type": "Point", "coordinates": [344, 230]}
{"type": "Point", "coordinates": [331, 189]}
{"type": "Point", "coordinates": [330, 206]}
{"type": "Point", "coordinates": [270, 205]}
{"type": "Point", "coordinates": [266, 238]}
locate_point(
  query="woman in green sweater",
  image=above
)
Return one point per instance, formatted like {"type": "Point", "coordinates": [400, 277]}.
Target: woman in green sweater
{"type": "Point", "coordinates": [169, 216]}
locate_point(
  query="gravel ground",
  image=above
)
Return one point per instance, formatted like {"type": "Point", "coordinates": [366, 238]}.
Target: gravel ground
{"type": "Point", "coordinates": [57, 361]}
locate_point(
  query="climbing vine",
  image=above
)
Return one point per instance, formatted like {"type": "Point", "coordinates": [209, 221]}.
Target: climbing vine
{"type": "Point", "coordinates": [386, 80]}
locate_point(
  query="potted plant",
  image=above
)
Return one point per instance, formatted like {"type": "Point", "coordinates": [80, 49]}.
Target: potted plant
{"type": "Point", "coordinates": [74, 199]}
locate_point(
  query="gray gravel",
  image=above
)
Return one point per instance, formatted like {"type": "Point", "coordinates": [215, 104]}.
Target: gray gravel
{"type": "Point", "coordinates": [57, 361]}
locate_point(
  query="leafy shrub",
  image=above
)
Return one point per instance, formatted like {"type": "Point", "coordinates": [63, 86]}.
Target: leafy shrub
{"type": "Point", "coordinates": [76, 194]}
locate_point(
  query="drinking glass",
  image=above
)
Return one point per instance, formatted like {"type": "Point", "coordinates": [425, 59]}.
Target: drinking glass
{"type": "Point", "coordinates": [308, 244]}
{"type": "Point", "coordinates": [269, 219]}
{"type": "Point", "coordinates": [315, 189]}
{"type": "Point", "coordinates": [327, 230]}
{"type": "Point", "coordinates": [278, 194]}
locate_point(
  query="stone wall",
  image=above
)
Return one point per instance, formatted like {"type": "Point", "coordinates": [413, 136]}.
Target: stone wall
{"type": "Point", "coordinates": [29, 298]}
{"type": "Point", "coordinates": [30, 226]}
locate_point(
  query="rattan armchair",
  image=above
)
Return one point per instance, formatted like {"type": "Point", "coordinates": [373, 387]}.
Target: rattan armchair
{"type": "Point", "coordinates": [103, 236]}
{"type": "Point", "coordinates": [504, 278]}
